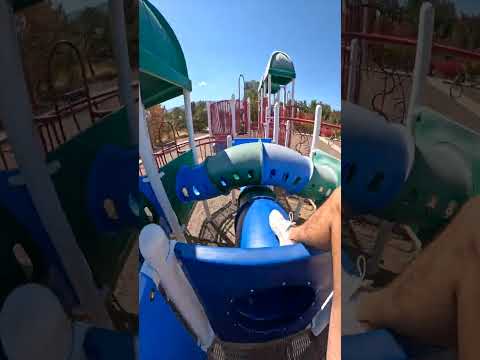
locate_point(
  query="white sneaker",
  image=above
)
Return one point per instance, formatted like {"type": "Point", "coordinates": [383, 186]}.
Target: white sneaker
{"type": "Point", "coordinates": [352, 286]}
{"type": "Point", "coordinates": [281, 227]}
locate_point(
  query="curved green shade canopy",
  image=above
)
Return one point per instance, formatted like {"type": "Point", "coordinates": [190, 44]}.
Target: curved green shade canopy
{"type": "Point", "coordinates": [163, 70]}
{"type": "Point", "coordinates": [280, 68]}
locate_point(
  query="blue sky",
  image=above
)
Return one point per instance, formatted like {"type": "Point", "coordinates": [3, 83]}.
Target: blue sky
{"type": "Point", "coordinates": [221, 39]}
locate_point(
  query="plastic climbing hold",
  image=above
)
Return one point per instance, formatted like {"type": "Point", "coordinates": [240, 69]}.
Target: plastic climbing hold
{"type": "Point", "coordinates": [285, 167]}
{"type": "Point", "coordinates": [236, 166]}
{"type": "Point", "coordinates": [193, 184]}
{"type": "Point", "coordinates": [325, 177]}
{"type": "Point", "coordinates": [377, 157]}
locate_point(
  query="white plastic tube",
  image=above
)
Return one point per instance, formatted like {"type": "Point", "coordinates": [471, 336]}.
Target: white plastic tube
{"type": "Point", "coordinates": [162, 266]}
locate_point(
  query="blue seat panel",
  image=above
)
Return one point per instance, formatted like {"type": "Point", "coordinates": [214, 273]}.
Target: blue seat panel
{"type": "Point", "coordinates": [257, 294]}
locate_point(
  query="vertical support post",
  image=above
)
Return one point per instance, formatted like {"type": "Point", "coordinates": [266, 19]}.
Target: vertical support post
{"type": "Point", "coordinates": [189, 121]}
{"type": "Point", "coordinates": [234, 116]}
{"type": "Point", "coordinates": [260, 119]}
{"type": "Point", "coordinates": [422, 60]}
{"type": "Point", "coordinates": [162, 266]}
{"type": "Point", "coordinates": [352, 73]}
{"type": "Point", "coordinates": [269, 104]}
{"type": "Point", "coordinates": [276, 122]}
{"type": "Point", "coordinates": [365, 30]}
{"type": "Point", "coordinates": [209, 118]}
{"type": "Point", "coordinates": [293, 92]}
{"type": "Point", "coordinates": [17, 117]}
{"type": "Point", "coordinates": [145, 149]}
{"type": "Point", "coordinates": [120, 51]}
{"type": "Point", "coordinates": [316, 129]}
{"type": "Point", "coordinates": [229, 144]}
{"type": "Point", "coordinates": [249, 119]}
{"type": "Point", "coordinates": [287, 135]}
{"type": "Point", "coordinates": [191, 138]}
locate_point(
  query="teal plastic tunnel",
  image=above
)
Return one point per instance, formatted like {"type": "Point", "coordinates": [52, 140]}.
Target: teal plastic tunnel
{"type": "Point", "coordinates": [260, 163]}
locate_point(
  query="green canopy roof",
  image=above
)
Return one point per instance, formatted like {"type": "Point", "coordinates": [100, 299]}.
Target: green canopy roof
{"type": "Point", "coordinates": [163, 70]}
{"type": "Point", "coordinates": [281, 69]}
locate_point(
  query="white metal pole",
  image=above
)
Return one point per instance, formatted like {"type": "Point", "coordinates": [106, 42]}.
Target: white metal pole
{"type": "Point", "coordinates": [150, 165]}
{"type": "Point", "coordinates": [191, 138]}
{"type": "Point", "coordinates": [260, 119]}
{"type": "Point", "coordinates": [209, 118]}
{"type": "Point", "coordinates": [422, 61]}
{"type": "Point", "coordinates": [189, 120]}
{"type": "Point", "coordinates": [249, 119]}
{"type": "Point", "coordinates": [229, 144]}
{"type": "Point", "coordinates": [120, 50]}
{"type": "Point", "coordinates": [162, 266]}
{"type": "Point", "coordinates": [17, 118]}
{"type": "Point", "coordinates": [276, 122]}
{"type": "Point", "coordinates": [234, 115]}
{"type": "Point", "coordinates": [269, 104]}
{"type": "Point", "coordinates": [293, 92]}
{"type": "Point", "coordinates": [352, 73]}
{"type": "Point", "coordinates": [316, 129]}
{"type": "Point", "coordinates": [287, 135]}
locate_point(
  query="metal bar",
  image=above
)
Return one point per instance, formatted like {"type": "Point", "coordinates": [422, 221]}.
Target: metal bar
{"type": "Point", "coordinates": [120, 51]}
{"type": "Point", "coordinates": [17, 117]}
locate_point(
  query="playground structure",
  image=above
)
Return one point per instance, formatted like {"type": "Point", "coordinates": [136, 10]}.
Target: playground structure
{"type": "Point", "coordinates": [66, 209]}
{"type": "Point", "coordinates": [391, 164]}
{"type": "Point", "coordinates": [201, 296]}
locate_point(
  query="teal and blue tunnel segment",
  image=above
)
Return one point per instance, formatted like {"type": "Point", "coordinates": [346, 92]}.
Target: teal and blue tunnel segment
{"type": "Point", "coordinates": [260, 163]}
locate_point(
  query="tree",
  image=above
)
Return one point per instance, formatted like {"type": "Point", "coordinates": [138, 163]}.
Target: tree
{"type": "Point", "coordinates": [199, 115]}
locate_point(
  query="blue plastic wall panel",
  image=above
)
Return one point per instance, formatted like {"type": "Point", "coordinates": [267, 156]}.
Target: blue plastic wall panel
{"type": "Point", "coordinates": [147, 190]}
{"type": "Point", "coordinates": [372, 345]}
{"type": "Point", "coordinates": [375, 159]}
{"type": "Point", "coordinates": [193, 184]}
{"type": "Point", "coordinates": [17, 201]}
{"type": "Point", "coordinates": [285, 167]}
{"type": "Point", "coordinates": [257, 294]}
{"type": "Point", "coordinates": [252, 225]}
{"type": "Point", "coordinates": [240, 141]}
{"type": "Point", "coordinates": [162, 335]}
{"type": "Point", "coordinates": [107, 180]}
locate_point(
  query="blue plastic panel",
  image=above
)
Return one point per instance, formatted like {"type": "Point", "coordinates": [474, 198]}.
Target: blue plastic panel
{"type": "Point", "coordinates": [108, 180]}
{"type": "Point", "coordinates": [162, 336]}
{"type": "Point", "coordinates": [193, 184]}
{"type": "Point", "coordinates": [257, 294]}
{"type": "Point", "coordinates": [16, 200]}
{"type": "Point", "coordinates": [146, 189]}
{"type": "Point", "coordinates": [375, 159]}
{"type": "Point", "coordinates": [240, 141]}
{"type": "Point", "coordinates": [252, 227]}
{"type": "Point", "coordinates": [372, 345]}
{"type": "Point", "coordinates": [285, 167]}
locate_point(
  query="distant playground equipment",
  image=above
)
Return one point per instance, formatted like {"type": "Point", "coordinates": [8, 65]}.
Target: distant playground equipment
{"type": "Point", "coordinates": [397, 171]}
{"type": "Point", "coordinates": [216, 290]}
{"type": "Point", "coordinates": [67, 215]}
{"type": "Point", "coordinates": [233, 117]}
